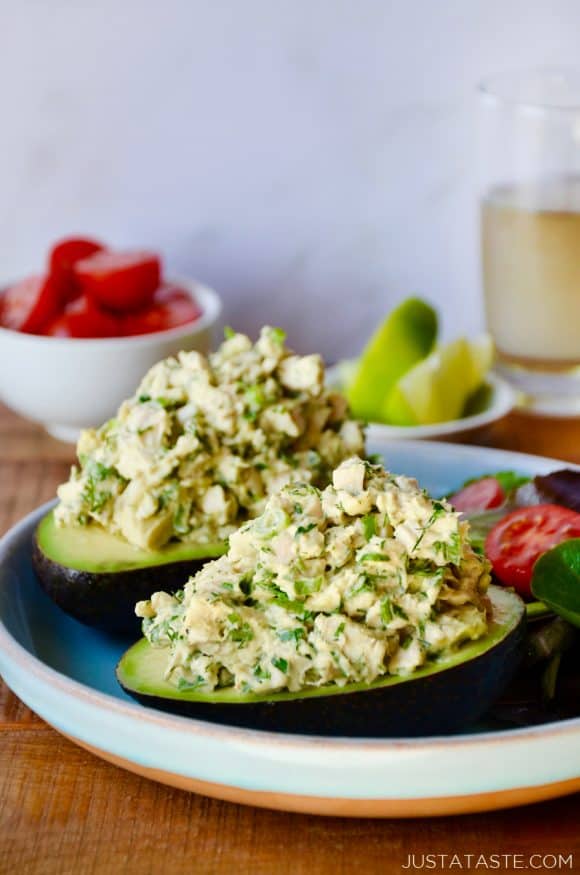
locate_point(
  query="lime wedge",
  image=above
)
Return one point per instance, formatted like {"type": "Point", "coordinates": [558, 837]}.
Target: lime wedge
{"type": "Point", "coordinates": [406, 336]}
{"type": "Point", "coordinates": [437, 388]}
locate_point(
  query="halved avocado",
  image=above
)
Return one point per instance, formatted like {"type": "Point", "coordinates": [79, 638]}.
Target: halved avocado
{"type": "Point", "coordinates": [97, 577]}
{"type": "Point", "coordinates": [445, 696]}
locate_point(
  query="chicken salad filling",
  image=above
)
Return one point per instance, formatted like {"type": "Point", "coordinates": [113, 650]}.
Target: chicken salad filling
{"type": "Point", "coordinates": [205, 440]}
{"type": "Point", "coordinates": [367, 577]}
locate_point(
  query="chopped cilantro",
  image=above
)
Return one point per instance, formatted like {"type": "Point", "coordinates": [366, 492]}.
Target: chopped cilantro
{"type": "Point", "coordinates": [369, 525]}
{"type": "Point", "coordinates": [246, 585]}
{"type": "Point", "coordinates": [183, 684]}
{"type": "Point", "coordinates": [156, 632]}
{"type": "Point", "coordinates": [338, 663]}
{"type": "Point", "coordinates": [438, 510]}
{"type": "Point", "coordinates": [399, 612]}
{"type": "Point", "coordinates": [261, 673]}
{"type": "Point", "coordinates": [386, 612]}
{"type": "Point", "coordinates": [239, 632]}
{"type": "Point", "coordinates": [97, 471]}
{"type": "Point", "coordinates": [166, 403]}
{"type": "Point", "coordinates": [181, 520]}
{"type": "Point", "coordinates": [308, 585]}
{"type": "Point", "coordinates": [93, 495]}
{"type": "Point", "coordinates": [450, 550]}
{"type": "Point", "coordinates": [168, 495]}
{"type": "Point", "coordinates": [278, 335]}
{"type": "Point", "coordinates": [280, 663]}
{"type": "Point", "coordinates": [279, 597]}
{"type": "Point", "coordinates": [295, 635]}
{"type": "Point", "coordinates": [254, 399]}
{"type": "Point", "coordinates": [364, 584]}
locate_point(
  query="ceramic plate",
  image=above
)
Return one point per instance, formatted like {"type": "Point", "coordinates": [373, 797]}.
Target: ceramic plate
{"type": "Point", "coordinates": [65, 672]}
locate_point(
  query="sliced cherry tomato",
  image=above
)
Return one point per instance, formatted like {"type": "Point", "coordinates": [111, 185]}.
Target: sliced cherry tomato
{"type": "Point", "coordinates": [62, 259]}
{"type": "Point", "coordinates": [171, 307]}
{"type": "Point", "coordinates": [30, 304]}
{"type": "Point", "coordinates": [481, 495]}
{"type": "Point", "coordinates": [83, 318]}
{"type": "Point", "coordinates": [519, 539]}
{"type": "Point", "coordinates": [121, 281]}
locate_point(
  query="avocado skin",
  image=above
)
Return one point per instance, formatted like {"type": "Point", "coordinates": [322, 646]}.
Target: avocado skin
{"type": "Point", "coordinates": [437, 704]}
{"type": "Point", "coordinates": [107, 600]}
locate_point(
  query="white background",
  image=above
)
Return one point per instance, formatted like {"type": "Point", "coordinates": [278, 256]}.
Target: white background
{"type": "Point", "coordinates": [314, 160]}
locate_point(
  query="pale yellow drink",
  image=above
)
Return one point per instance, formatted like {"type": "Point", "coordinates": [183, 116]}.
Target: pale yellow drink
{"type": "Point", "coordinates": [531, 272]}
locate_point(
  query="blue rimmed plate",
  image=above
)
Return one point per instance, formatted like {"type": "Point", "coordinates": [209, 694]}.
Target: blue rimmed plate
{"type": "Point", "coordinates": [65, 672]}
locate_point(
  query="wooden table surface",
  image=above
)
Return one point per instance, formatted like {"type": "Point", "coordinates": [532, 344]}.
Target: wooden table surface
{"type": "Point", "coordinates": [62, 810]}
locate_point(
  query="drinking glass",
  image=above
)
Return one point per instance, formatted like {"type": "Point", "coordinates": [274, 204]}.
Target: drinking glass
{"type": "Point", "coordinates": [530, 232]}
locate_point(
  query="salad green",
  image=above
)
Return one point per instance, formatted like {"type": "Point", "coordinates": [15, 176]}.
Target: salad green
{"type": "Point", "coordinates": [556, 580]}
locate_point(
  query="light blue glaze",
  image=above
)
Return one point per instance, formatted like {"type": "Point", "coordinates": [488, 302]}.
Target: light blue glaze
{"type": "Point", "coordinates": [43, 652]}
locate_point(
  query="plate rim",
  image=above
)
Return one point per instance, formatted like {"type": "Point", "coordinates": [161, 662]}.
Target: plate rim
{"type": "Point", "coordinates": [27, 661]}
{"type": "Point", "coordinates": [372, 777]}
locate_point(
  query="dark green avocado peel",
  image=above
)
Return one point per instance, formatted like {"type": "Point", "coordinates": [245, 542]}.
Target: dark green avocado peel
{"type": "Point", "coordinates": [442, 697]}
{"type": "Point", "coordinates": [98, 577]}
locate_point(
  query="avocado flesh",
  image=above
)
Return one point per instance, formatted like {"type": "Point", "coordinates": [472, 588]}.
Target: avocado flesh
{"type": "Point", "coordinates": [97, 577]}
{"type": "Point", "coordinates": [442, 697]}
{"type": "Point", "coordinates": [92, 548]}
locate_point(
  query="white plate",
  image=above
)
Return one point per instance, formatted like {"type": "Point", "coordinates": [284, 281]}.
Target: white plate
{"type": "Point", "coordinates": [65, 672]}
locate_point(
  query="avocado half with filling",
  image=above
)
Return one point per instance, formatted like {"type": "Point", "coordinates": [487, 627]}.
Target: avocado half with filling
{"type": "Point", "coordinates": [442, 697]}
{"type": "Point", "coordinates": [97, 577]}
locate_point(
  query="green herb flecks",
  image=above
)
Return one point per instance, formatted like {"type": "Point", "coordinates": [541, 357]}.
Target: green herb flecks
{"type": "Point", "coordinates": [239, 631]}
{"type": "Point", "coordinates": [451, 549]}
{"type": "Point", "coordinates": [296, 635]}
{"type": "Point", "coordinates": [386, 611]}
{"type": "Point", "coordinates": [184, 685]}
{"type": "Point", "coordinates": [278, 335]}
{"type": "Point", "coordinates": [254, 401]}
{"type": "Point", "coordinates": [438, 510]}
{"type": "Point", "coordinates": [261, 673]}
{"type": "Point", "coordinates": [373, 557]}
{"type": "Point", "coordinates": [280, 663]}
{"type": "Point", "coordinates": [303, 530]}
{"type": "Point", "coordinates": [307, 586]}
{"type": "Point", "coordinates": [369, 525]}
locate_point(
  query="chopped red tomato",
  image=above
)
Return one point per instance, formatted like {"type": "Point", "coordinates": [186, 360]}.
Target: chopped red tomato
{"type": "Point", "coordinates": [93, 292]}
{"type": "Point", "coordinates": [518, 540]}
{"type": "Point", "coordinates": [171, 307]}
{"type": "Point", "coordinates": [30, 304]}
{"type": "Point", "coordinates": [62, 260]}
{"type": "Point", "coordinates": [121, 281]}
{"type": "Point", "coordinates": [484, 494]}
{"type": "Point", "coordinates": [83, 318]}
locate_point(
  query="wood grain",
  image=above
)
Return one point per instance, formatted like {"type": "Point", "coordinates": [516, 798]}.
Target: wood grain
{"type": "Point", "coordinates": [64, 811]}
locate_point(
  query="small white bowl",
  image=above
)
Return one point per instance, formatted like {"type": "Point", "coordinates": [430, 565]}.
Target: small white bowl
{"type": "Point", "coordinates": [68, 384]}
{"type": "Point", "coordinates": [503, 399]}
